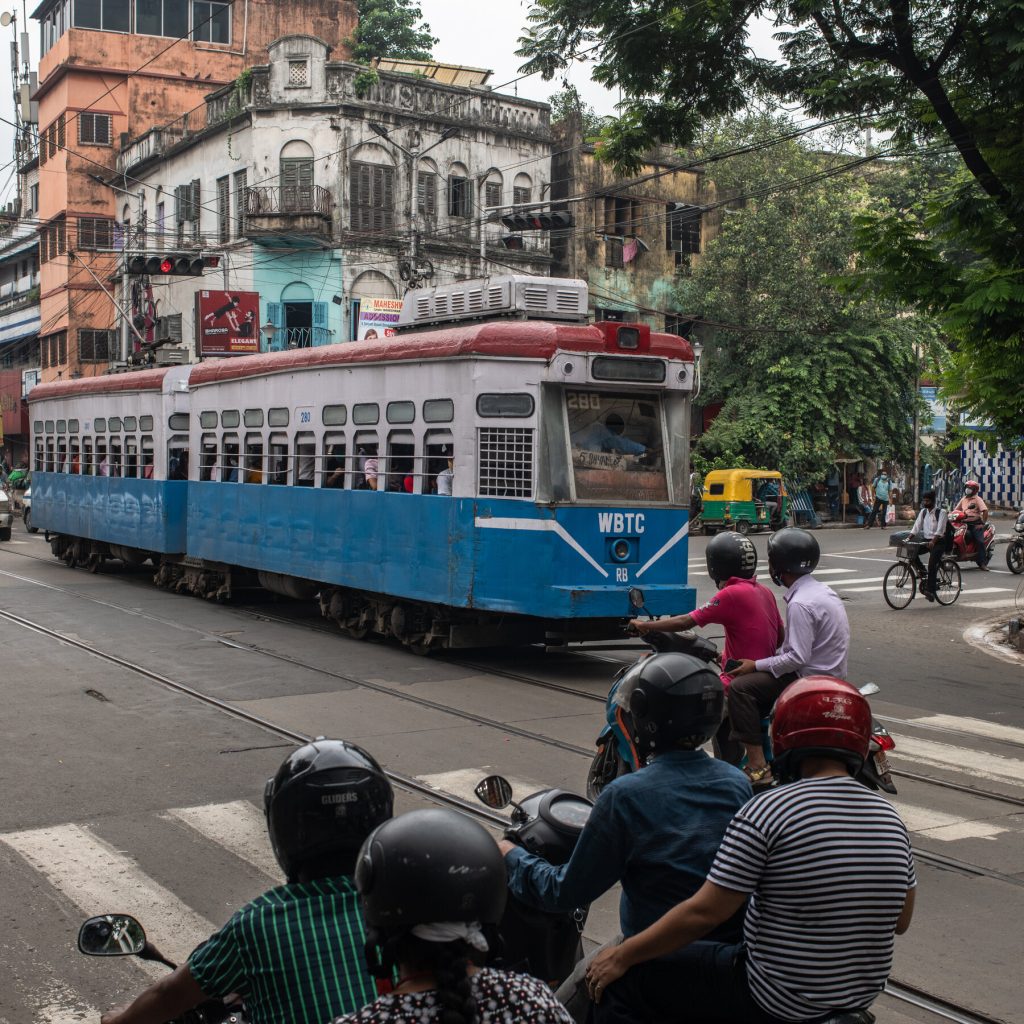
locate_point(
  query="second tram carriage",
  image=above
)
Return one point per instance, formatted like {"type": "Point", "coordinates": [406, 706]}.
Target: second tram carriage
{"type": "Point", "coordinates": [322, 472]}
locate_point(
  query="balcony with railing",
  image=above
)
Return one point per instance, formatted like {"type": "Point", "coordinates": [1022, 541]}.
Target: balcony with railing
{"type": "Point", "coordinates": [288, 215]}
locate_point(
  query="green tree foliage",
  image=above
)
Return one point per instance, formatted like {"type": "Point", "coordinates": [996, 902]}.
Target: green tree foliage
{"type": "Point", "coordinates": [936, 73]}
{"type": "Point", "coordinates": [391, 28]}
{"type": "Point", "coordinates": [566, 104]}
{"type": "Point", "coordinates": [805, 371]}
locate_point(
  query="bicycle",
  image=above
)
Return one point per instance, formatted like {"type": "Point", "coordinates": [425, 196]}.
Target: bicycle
{"type": "Point", "coordinates": [902, 580]}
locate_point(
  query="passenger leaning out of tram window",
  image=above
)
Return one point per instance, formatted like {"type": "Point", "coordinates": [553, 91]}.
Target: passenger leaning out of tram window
{"type": "Point", "coordinates": [446, 478]}
{"type": "Point", "coordinates": [656, 830]}
{"type": "Point", "coordinates": [274, 949]}
{"type": "Point", "coordinates": [369, 467]}
{"type": "Point", "coordinates": [746, 610]}
{"type": "Point", "coordinates": [817, 643]}
{"type": "Point", "coordinates": [823, 911]}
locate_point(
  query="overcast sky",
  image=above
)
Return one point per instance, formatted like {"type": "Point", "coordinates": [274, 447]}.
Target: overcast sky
{"type": "Point", "coordinates": [480, 33]}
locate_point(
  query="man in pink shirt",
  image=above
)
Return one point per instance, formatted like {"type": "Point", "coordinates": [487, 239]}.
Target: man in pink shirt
{"type": "Point", "coordinates": [747, 611]}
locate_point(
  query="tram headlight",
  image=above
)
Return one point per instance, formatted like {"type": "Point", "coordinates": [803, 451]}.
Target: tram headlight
{"type": "Point", "coordinates": [622, 549]}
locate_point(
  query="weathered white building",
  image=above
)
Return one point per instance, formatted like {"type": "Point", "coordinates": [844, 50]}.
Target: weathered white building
{"type": "Point", "coordinates": [327, 189]}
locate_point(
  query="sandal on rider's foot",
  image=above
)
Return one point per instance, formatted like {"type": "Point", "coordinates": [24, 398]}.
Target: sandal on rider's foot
{"type": "Point", "coordinates": [760, 778]}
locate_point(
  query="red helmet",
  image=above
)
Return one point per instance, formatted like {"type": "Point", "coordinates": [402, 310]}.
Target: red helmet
{"type": "Point", "coordinates": [822, 716]}
{"type": "Point", "coordinates": [974, 484]}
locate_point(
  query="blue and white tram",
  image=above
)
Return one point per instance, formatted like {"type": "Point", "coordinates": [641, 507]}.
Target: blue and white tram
{"type": "Point", "coordinates": [566, 446]}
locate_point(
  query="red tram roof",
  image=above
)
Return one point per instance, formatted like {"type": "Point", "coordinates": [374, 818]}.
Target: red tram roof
{"type": "Point", "coordinates": [524, 339]}
{"type": "Point", "coordinates": [111, 383]}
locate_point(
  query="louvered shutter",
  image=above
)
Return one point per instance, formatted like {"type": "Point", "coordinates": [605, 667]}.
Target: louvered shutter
{"type": "Point", "coordinates": [320, 335]}
{"type": "Point", "coordinates": [274, 316]}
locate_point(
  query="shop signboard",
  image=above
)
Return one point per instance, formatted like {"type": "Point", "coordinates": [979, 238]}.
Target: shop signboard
{"type": "Point", "coordinates": [378, 318]}
{"type": "Point", "coordinates": [227, 323]}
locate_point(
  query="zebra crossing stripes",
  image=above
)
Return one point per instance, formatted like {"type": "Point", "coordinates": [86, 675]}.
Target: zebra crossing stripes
{"type": "Point", "coordinates": [239, 826]}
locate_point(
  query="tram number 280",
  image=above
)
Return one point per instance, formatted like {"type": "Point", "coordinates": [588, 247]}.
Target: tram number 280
{"type": "Point", "coordinates": [582, 400]}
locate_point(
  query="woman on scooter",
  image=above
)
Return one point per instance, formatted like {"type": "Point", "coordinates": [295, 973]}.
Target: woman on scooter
{"type": "Point", "coordinates": [433, 889]}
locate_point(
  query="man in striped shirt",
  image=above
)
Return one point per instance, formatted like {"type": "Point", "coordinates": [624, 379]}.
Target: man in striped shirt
{"type": "Point", "coordinates": [828, 868]}
{"type": "Point", "coordinates": [295, 954]}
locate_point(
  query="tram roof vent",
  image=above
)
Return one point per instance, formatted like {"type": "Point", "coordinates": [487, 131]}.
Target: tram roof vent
{"type": "Point", "coordinates": [509, 295]}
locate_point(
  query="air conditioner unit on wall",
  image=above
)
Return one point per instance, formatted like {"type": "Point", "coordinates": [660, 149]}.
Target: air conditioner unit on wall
{"type": "Point", "coordinates": [168, 328]}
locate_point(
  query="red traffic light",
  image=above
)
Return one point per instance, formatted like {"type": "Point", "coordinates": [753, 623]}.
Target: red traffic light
{"type": "Point", "coordinates": [166, 265]}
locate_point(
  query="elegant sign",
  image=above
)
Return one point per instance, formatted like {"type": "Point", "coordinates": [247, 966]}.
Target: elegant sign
{"type": "Point", "coordinates": [227, 323]}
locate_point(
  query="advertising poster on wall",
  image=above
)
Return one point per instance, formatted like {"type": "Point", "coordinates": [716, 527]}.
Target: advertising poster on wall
{"type": "Point", "coordinates": [378, 318]}
{"type": "Point", "coordinates": [227, 323]}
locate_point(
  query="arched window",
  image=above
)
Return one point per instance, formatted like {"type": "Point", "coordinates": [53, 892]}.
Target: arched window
{"type": "Point", "coordinates": [492, 189]}
{"type": "Point", "coordinates": [372, 188]}
{"type": "Point", "coordinates": [426, 189]}
{"type": "Point", "coordinates": [460, 192]}
{"type": "Point", "coordinates": [522, 189]}
{"type": "Point", "coordinates": [296, 177]}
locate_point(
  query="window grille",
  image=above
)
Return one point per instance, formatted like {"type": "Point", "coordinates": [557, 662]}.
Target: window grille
{"type": "Point", "coordinates": [682, 231]}
{"type": "Point", "coordinates": [505, 462]}
{"type": "Point", "coordinates": [94, 346]}
{"type": "Point", "coordinates": [298, 72]}
{"type": "Point", "coordinates": [95, 233]}
{"type": "Point", "coordinates": [95, 129]}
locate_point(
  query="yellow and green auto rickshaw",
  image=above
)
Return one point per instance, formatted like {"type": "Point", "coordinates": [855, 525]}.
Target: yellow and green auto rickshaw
{"type": "Point", "coordinates": [744, 500]}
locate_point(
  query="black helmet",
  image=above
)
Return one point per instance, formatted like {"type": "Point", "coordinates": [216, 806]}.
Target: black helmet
{"type": "Point", "coordinates": [324, 801]}
{"type": "Point", "coordinates": [731, 554]}
{"type": "Point", "coordinates": [430, 866]}
{"type": "Point", "coordinates": [792, 550]}
{"type": "Point", "coordinates": [677, 701]}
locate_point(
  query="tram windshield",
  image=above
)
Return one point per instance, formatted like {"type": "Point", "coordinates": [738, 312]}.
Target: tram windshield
{"type": "Point", "coordinates": [618, 446]}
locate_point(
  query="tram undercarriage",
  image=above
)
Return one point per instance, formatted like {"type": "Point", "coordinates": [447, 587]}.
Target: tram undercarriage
{"type": "Point", "coordinates": [418, 625]}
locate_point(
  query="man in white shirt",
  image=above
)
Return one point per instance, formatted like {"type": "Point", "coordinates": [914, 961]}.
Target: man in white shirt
{"type": "Point", "coordinates": [930, 526]}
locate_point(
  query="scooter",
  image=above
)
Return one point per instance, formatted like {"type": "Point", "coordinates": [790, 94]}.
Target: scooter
{"type": "Point", "coordinates": [615, 752]}
{"type": "Point", "coordinates": [547, 823]}
{"type": "Point", "coordinates": [1015, 549]}
{"type": "Point", "coordinates": [122, 935]}
{"type": "Point", "coordinates": [964, 547]}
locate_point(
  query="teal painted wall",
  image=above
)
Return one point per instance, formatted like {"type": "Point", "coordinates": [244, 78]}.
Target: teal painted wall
{"type": "Point", "coordinates": [315, 272]}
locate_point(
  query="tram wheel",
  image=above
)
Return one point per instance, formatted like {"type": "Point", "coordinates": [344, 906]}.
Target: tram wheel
{"type": "Point", "coordinates": [357, 632]}
{"type": "Point", "coordinates": [421, 648]}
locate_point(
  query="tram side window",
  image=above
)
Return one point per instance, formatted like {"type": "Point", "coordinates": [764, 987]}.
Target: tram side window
{"type": "Point", "coordinates": [50, 460]}
{"type": "Point", "coordinates": [177, 458]}
{"type": "Point", "coordinates": [131, 457]}
{"type": "Point", "coordinates": [102, 462]}
{"type": "Point", "coordinates": [88, 463]}
{"type": "Point", "coordinates": [366, 464]}
{"type": "Point", "coordinates": [305, 460]}
{"type": "Point", "coordinates": [438, 451]}
{"type": "Point", "coordinates": [253, 457]}
{"type": "Point", "coordinates": [148, 458]}
{"type": "Point", "coordinates": [229, 459]}
{"type": "Point", "coordinates": [401, 463]}
{"type": "Point", "coordinates": [115, 455]}
{"type": "Point", "coordinates": [334, 461]}
{"type": "Point", "coordinates": [62, 455]}
{"type": "Point", "coordinates": [208, 457]}
{"type": "Point", "coordinates": [277, 468]}
{"type": "Point", "coordinates": [75, 464]}
{"type": "Point", "coordinates": [39, 462]}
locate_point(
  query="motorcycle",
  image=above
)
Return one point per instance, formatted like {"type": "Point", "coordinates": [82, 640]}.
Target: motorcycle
{"type": "Point", "coordinates": [1015, 549]}
{"type": "Point", "coordinates": [964, 547]}
{"type": "Point", "coordinates": [615, 754]}
{"type": "Point", "coordinates": [547, 823]}
{"type": "Point", "coordinates": [122, 935]}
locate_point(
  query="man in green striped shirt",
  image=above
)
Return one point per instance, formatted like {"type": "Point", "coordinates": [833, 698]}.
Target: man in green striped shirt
{"type": "Point", "coordinates": [295, 954]}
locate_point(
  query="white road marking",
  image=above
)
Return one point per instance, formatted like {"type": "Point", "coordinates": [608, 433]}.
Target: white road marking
{"type": "Point", "coordinates": [947, 827]}
{"type": "Point", "coordinates": [988, 590]}
{"type": "Point", "coordinates": [63, 1006]}
{"type": "Point", "coordinates": [98, 879]}
{"type": "Point", "coordinates": [859, 579]}
{"type": "Point", "coordinates": [463, 781]}
{"type": "Point", "coordinates": [862, 558]}
{"type": "Point", "coordinates": [1006, 602]}
{"type": "Point", "coordinates": [975, 726]}
{"type": "Point", "coordinates": [971, 762]}
{"type": "Point", "coordinates": [874, 588]}
{"type": "Point", "coordinates": [239, 827]}
{"type": "Point", "coordinates": [830, 572]}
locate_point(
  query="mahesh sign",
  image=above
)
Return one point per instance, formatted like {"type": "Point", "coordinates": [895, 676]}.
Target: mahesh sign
{"type": "Point", "coordinates": [227, 323]}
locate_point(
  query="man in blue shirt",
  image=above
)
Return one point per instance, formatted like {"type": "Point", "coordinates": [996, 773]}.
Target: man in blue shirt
{"type": "Point", "coordinates": [882, 486]}
{"type": "Point", "coordinates": [656, 830]}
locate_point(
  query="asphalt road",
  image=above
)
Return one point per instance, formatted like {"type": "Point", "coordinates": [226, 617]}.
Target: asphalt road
{"type": "Point", "coordinates": [124, 795]}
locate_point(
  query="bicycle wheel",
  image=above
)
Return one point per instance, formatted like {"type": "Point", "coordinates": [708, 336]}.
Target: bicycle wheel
{"type": "Point", "coordinates": [899, 586]}
{"type": "Point", "coordinates": [948, 582]}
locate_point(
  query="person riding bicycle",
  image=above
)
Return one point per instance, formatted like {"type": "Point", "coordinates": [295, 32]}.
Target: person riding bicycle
{"type": "Point", "coordinates": [975, 513]}
{"type": "Point", "coordinates": [824, 910]}
{"type": "Point", "coordinates": [321, 805]}
{"type": "Point", "coordinates": [930, 527]}
{"type": "Point", "coordinates": [817, 642]}
{"type": "Point", "coordinates": [433, 891]}
{"type": "Point", "coordinates": [746, 609]}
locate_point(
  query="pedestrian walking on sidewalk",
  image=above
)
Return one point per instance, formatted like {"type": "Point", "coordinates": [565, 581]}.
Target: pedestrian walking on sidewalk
{"type": "Point", "coordinates": [882, 485]}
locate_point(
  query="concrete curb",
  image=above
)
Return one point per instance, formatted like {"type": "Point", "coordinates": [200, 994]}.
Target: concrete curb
{"type": "Point", "coordinates": [989, 637]}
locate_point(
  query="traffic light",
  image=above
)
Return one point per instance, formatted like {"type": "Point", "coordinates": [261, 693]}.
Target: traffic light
{"type": "Point", "coordinates": [171, 264]}
{"type": "Point", "coordinates": [538, 220]}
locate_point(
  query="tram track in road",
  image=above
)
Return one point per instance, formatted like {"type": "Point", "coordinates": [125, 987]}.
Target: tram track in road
{"type": "Point", "coordinates": [262, 614]}
{"type": "Point", "coordinates": [900, 991]}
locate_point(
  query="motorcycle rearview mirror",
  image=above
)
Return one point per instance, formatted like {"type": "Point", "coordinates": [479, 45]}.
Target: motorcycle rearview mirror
{"type": "Point", "coordinates": [495, 792]}
{"type": "Point", "coordinates": [636, 598]}
{"type": "Point", "coordinates": [869, 689]}
{"type": "Point", "coordinates": [111, 935]}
